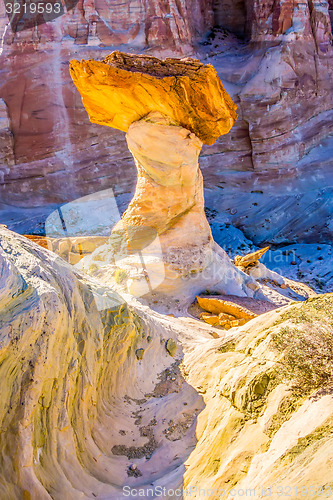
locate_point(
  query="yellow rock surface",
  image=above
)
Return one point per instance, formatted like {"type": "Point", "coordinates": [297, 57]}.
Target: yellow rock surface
{"type": "Point", "coordinates": [227, 321]}
{"type": "Point", "coordinates": [124, 88]}
{"type": "Point", "coordinates": [231, 323]}
{"type": "Point", "coordinates": [257, 431]}
{"type": "Point", "coordinates": [40, 240]}
{"type": "Point", "coordinates": [217, 306]}
{"type": "Point", "coordinates": [210, 319]}
{"type": "Point", "coordinates": [226, 317]}
{"type": "Point", "coordinates": [250, 258]}
{"type": "Point", "coordinates": [70, 375]}
{"type": "Point", "coordinates": [79, 412]}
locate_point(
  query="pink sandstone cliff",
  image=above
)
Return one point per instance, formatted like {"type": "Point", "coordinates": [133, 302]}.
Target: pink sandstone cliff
{"type": "Point", "coordinates": [281, 81]}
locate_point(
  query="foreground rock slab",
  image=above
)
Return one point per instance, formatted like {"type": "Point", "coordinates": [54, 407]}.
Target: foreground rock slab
{"type": "Point", "coordinates": [77, 406]}
{"type": "Point", "coordinates": [267, 424]}
{"type": "Point", "coordinates": [98, 394]}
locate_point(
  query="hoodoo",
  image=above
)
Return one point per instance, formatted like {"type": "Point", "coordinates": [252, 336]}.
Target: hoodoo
{"type": "Point", "coordinates": [168, 109]}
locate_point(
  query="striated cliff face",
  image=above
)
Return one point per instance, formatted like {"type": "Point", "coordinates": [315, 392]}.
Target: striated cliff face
{"type": "Point", "coordinates": [280, 169]}
{"type": "Point", "coordinates": [152, 24]}
{"type": "Point", "coordinates": [52, 138]}
{"type": "Point", "coordinates": [280, 147]}
{"type": "Point", "coordinates": [97, 394]}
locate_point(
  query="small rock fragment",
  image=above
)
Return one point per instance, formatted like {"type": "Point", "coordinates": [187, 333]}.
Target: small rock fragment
{"type": "Point", "coordinates": [250, 259]}
{"type": "Point", "coordinates": [210, 319]}
{"type": "Point", "coordinates": [253, 286]}
{"type": "Point", "coordinates": [133, 471]}
{"type": "Point", "coordinates": [171, 347]}
{"type": "Point", "coordinates": [224, 316]}
{"type": "Point", "coordinates": [233, 323]}
{"type": "Point", "coordinates": [139, 353]}
{"type": "Point", "coordinates": [227, 323]}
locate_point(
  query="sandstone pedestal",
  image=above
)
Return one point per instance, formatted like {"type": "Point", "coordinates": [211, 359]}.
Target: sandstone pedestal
{"type": "Point", "coordinates": [168, 109]}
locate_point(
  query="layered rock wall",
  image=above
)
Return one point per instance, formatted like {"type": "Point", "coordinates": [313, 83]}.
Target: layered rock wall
{"type": "Point", "coordinates": [53, 139]}
{"type": "Point", "coordinates": [6, 140]}
{"type": "Point", "coordinates": [281, 82]}
{"type": "Point", "coordinates": [155, 24]}
{"type": "Point", "coordinates": [283, 136]}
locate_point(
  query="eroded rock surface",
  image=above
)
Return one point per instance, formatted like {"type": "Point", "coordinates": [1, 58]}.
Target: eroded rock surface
{"type": "Point", "coordinates": [269, 405]}
{"type": "Point", "coordinates": [77, 406]}
{"type": "Point", "coordinates": [90, 402]}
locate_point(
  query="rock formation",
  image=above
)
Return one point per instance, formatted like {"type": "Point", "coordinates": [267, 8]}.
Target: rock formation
{"type": "Point", "coordinates": [284, 132]}
{"type": "Point", "coordinates": [124, 88]}
{"type": "Point", "coordinates": [94, 398]}
{"type": "Point", "coordinates": [77, 409]}
{"type": "Point", "coordinates": [159, 25]}
{"type": "Point", "coordinates": [47, 138]}
{"type": "Point", "coordinates": [267, 420]}
{"type": "Point", "coordinates": [96, 393]}
{"type": "Point", "coordinates": [224, 313]}
{"type": "Point", "coordinates": [249, 260]}
{"type": "Point", "coordinates": [6, 140]}
{"type": "Point", "coordinates": [167, 110]}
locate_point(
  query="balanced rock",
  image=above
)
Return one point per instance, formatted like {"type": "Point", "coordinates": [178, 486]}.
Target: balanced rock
{"type": "Point", "coordinates": [125, 88]}
{"type": "Point", "coordinates": [168, 109]}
